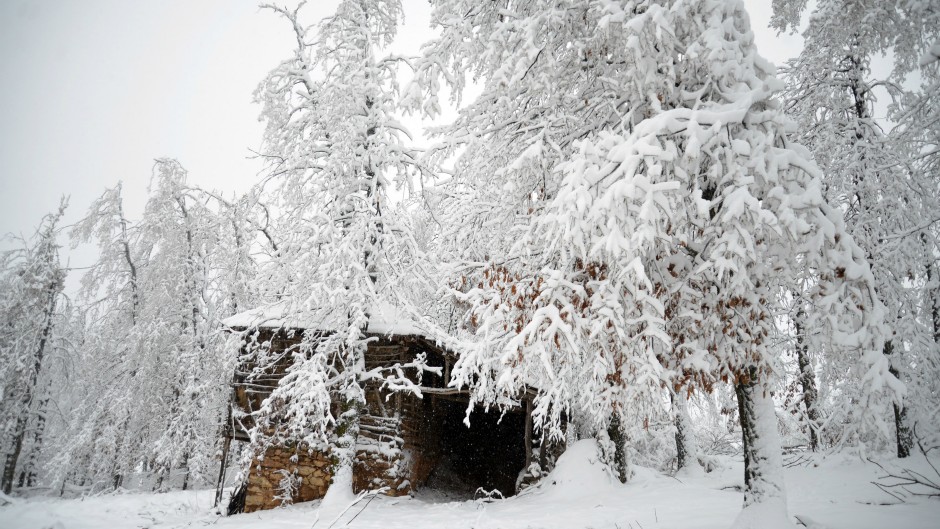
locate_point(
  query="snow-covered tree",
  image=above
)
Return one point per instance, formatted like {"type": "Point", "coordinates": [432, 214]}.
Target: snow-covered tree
{"type": "Point", "coordinates": [917, 134]}
{"type": "Point", "coordinates": [335, 146]}
{"type": "Point", "coordinates": [153, 366]}
{"type": "Point", "coordinates": [638, 210]}
{"type": "Point", "coordinates": [181, 315]}
{"type": "Point", "coordinates": [245, 242]}
{"type": "Point", "coordinates": [92, 449]}
{"type": "Point", "coordinates": [31, 283]}
{"type": "Point", "coordinates": [888, 200]}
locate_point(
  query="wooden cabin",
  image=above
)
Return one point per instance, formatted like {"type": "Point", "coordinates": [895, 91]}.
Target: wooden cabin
{"type": "Point", "coordinates": [405, 443]}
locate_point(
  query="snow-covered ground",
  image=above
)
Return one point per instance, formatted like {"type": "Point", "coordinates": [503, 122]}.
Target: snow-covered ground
{"type": "Point", "coordinates": [833, 492]}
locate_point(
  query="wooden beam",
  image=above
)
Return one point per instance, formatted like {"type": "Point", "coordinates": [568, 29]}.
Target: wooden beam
{"type": "Point", "coordinates": [220, 484]}
{"type": "Point", "coordinates": [444, 391]}
{"type": "Point", "coordinates": [528, 434]}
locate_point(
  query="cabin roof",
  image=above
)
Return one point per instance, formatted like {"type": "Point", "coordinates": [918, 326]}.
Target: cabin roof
{"type": "Point", "coordinates": [385, 318]}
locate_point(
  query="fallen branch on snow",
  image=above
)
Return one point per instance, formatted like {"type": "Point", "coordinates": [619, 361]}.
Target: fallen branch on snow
{"type": "Point", "coordinates": [7, 500]}
{"type": "Point", "coordinates": [904, 483]}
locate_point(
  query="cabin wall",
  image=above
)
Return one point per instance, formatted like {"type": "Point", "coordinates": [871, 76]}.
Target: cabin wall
{"type": "Point", "coordinates": [249, 389]}
{"type": "Point", "coordinates": [311, 471]}
{"type": "Point", "coordinates": [401, 443]}
{"type": "Point", "coordinates": [380, 461]}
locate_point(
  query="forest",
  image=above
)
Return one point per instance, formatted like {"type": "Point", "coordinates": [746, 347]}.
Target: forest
{"type": "Point", "coordinates": [676, 248]}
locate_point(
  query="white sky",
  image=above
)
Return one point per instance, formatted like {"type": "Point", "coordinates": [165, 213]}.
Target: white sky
{"type": "Point", "coordinates": [93, 90]}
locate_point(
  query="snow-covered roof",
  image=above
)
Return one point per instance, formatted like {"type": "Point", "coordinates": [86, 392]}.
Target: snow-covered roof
{"type": "Point", "coordinates": [384, 318]}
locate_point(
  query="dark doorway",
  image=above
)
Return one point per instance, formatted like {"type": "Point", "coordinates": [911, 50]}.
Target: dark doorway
{"type": "Point", "coordinates": [489, 454]}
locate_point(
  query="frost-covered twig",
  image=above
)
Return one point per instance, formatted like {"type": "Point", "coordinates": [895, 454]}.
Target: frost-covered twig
{"type": "Point", "coordinates": [487, 496]}
{"type": "Point", "coordinates": [371, 497]}
{"type": "Point", "coordinates": [287, 487]}
{"type": "Point", "coordinates": [800, 460]}
{"type": "Point", "coordinates": [364, 494]}
{"type": "Point", "coordinates": [805, 521]}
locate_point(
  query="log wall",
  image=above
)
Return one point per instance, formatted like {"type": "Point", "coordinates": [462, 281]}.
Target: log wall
{"type": "Point", "coordinates": [400, 439]}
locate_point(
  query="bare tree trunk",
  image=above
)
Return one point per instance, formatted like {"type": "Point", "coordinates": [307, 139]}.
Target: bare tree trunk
{"type": "Point", "coordinates": [528, 434]}
{"type": "Point", "coordinates": [9, 466]}
{"type": "Point", "coordinates": [617, 437]}
{"type": "Point", "coordinates": [860, 90]}
{"type": "Point", "coordinates": [28, 472]}
{"type": "Point", "coordinates": [934, 296]}
{"type": "Point", "coordinates": [131, 268]}
{"type": "Point", "coordinates": [807, 379]}
{"type": "Point", "coordinates": [186, 471]}
{"type": "Point", "coordinates": [117, 478]}
{"type": "Point", "coordinates": [903, 434]}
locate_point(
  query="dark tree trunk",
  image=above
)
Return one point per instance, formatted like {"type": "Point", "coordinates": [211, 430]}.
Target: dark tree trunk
{"type": "Point", "coordinates": [533, 469]}
{"type": "Point", "coordinates": [131, 268]}
{"type": "Point", "coordinates": [903, 434]}
{"type": "Point", "coordinates": [9, 466]}
{"type": "Point", "coordinates": [117, 478]}
{"type": "Point", "coordinates": [158, 485]}
{"type": "Point", "coordinates": [746, 415]}
{"type": "Point", "coordinates": [905, 440]}
{"type": "Point", "coordinates": [807, 381]}
{"type": "Point", "coordinates": [28, 472]}
{"type": "Point", "coordinates": [681, 456]}
{"type": "Point", "coordinates": [185, 468]}
{"type": "Point", "coordinates": [226, 433]}
{"type": "Point", "coordinates": [617, 437]}
{"type": "Point", "coordinates": [529, 448]}
{"type": "Point", "coordinates": [934, 296]}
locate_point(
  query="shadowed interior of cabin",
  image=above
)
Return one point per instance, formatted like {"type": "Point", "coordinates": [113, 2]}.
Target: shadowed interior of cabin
{"type": "Point", "coordinates": [489, 454]}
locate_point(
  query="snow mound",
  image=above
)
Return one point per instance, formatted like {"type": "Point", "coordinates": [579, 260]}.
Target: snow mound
{"type": "Point", "coordinates": [580, 471]}
{"type": "Point", "coordinates": [769, 514]}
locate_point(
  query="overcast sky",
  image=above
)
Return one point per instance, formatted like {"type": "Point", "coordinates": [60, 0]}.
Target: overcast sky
{"type": "Point", "coordinates": [93, 90]}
